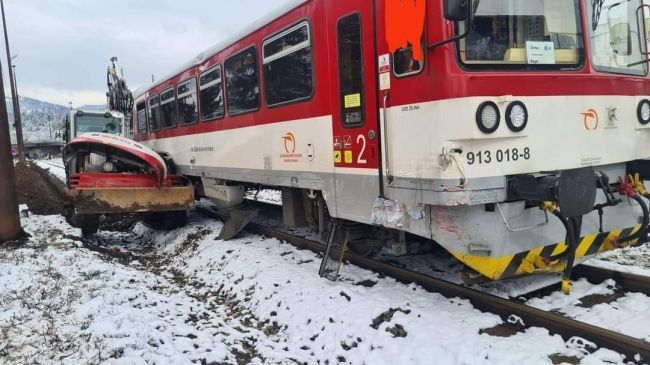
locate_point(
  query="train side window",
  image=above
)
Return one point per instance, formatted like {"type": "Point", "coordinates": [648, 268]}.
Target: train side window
{"type": "Point", "coordinates": [242, 82]}
{"type": "Point", "coordinates": [351, 84]}
{"type": "Point", "coordinates": [168, 108]}
{"type": "Point", "coordinates": [141, 111]}
{"type": "Point", "coordinates": [188, 109]}
{"type": "Point", "coordinates": [154, 113]}
{"type": "Point", "coordinates": [404, 64]}
{"type": "Point", "coordinates": [288, 65]}
{"type": "Point", "coordinates": [211, 94]}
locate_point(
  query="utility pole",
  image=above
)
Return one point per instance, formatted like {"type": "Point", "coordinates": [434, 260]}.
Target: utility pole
{"type": "Point", "coordinates": [13, 66]}
{"type": "Point", "coordinates": [14, 94]}
{"type": "Point", "coordinates": [49, 123]}
{"type": "Point", "coordinates": [10, 227]}
{"type": "Point", "coordinates": [20, 118]}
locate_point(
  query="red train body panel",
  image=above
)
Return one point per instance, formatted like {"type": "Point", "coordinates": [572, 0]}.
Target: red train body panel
{"type": "Point", "coordinates": [440, 143]}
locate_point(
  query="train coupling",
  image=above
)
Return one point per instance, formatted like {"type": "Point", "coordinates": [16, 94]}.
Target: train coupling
{"type": "Point", "coordinates": [633, 188]}
{"type": "Point", "coordinates": [569, 195]}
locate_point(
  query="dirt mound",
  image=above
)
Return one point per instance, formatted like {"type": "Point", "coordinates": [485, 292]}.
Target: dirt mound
{"type": "Point", "coordinates": [40, 195]}
{"type": "Point", "coordinates": [45, 195]}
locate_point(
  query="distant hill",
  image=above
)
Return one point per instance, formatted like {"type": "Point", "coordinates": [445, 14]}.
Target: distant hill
{"type": "Point", "coordinates": [36, 118]}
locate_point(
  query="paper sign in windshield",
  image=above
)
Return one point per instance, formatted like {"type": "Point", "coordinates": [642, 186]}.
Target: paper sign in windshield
{"type": "Point", "coordinates": [540, 53]}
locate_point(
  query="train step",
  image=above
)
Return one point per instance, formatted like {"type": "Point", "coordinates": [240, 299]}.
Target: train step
{"type": "Point", "coordinates": [337, 244]}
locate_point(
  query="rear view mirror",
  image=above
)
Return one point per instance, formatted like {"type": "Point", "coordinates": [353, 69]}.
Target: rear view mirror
{"type": "Point", "coordinates": [456, 10]}
{"type": "Point", "coordinates": [621, 39]}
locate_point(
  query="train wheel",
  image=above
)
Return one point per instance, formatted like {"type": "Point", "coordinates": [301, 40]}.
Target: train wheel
{"type": "Point", "coordinates": [359, 244]}
{"type": "Point", "coordinates": [366, 248]}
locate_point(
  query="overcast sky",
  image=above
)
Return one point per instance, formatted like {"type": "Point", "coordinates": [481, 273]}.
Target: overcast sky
{"type": "Point", "coordinates": [64, 46]}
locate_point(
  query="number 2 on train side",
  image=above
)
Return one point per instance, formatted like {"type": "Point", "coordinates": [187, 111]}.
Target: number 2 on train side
{"type": "Point", "coordinates": [362, 139]}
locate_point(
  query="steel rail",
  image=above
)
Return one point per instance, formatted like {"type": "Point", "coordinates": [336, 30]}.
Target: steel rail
{"type": "Point", "coordinates": [53, 164]}
{"type": "Point", "coordinates": [566, 327]}
{"type": "Point", "coordinates": [628, 282]}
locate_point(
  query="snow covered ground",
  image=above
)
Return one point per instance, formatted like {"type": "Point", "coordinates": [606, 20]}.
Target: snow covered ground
{"type": "Point", "coordinates": [270, 196]}
{"type": "Point", "coordinates": [635, 260]}
{"type": "Point", "coordinates": [182, 296]}
{"type": "Point", "coordinates": [602, 305]}
{"type": "Point", "coordinates": [55, 166]}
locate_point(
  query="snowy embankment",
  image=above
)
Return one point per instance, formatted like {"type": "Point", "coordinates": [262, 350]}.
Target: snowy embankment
{"type": "Point", "coordinates": [55, 167]}
{"type": "Point", "coordinates": [602, 305]}
{"type": "Point", "coordinates": [183, 296]}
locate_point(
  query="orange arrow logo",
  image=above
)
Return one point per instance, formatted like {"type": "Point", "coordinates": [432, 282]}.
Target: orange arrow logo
{"type": "Point", "coordinates": [289, 143]}
{"type": "Point", "coordinates": [591, 120]}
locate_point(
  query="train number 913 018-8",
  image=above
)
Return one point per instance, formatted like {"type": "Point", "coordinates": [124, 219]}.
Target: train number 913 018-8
{"type": "Point", "coordinates": [487, 157]}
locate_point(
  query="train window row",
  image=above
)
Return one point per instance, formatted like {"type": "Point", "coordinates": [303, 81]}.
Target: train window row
{"type": "Point", "coordinates": [287, 60]}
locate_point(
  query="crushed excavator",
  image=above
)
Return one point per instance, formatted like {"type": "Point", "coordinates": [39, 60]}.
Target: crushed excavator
{"type": "Point", "coordinates": [108, 173]}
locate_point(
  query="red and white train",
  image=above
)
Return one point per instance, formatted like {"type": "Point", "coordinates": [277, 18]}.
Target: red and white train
{"type": "Point", "coordinates": [462, 121]}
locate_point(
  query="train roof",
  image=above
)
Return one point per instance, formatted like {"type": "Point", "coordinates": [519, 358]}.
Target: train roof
{"type": "Point", "coordinates": [225, 43]}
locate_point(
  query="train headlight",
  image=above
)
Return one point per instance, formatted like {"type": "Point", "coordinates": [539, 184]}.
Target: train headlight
{"type": "Point", "coordinates": [643, 112]}
{"type": "Point", "coordinates": [488, 117]}
{"type": "Point", "coordinates": [516, 116]}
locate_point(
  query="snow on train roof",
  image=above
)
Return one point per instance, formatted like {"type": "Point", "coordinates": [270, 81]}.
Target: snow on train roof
{"type": "Point", "coordinates": [290, 5]}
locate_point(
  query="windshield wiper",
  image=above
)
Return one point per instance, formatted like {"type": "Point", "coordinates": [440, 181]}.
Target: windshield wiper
{"type": "Point", "coordinates": [638, 63]}
{"type": "Point", "coordinates": [597, 7]}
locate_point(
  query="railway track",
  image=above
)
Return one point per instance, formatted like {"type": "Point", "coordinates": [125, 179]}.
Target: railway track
{"type": "Point", "coordinates": [625, 282]}
{"type": "Point", "coordinates": [628, 282]}
{"type": "Point", "coordinates": [531, 317]}
{"type": "Point", "coordinates": [53, 164]}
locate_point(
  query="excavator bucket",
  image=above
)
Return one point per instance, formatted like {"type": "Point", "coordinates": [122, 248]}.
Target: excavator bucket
{"type": "Point", "coordinates": [236, 222]}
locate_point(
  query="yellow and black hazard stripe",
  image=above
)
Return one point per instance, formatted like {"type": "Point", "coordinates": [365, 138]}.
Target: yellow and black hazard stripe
{"type": "Point", "coordinates": [536, 260]}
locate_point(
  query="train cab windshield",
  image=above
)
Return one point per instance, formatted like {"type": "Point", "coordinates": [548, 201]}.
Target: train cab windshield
{"type": "Point", "coordinates": [518, 34]}
{"type": "Point", "coordinates": [618, 42]}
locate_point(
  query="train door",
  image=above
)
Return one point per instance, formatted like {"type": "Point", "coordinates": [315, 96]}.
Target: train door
{"type": "Point", "coordinates": [354, 106]}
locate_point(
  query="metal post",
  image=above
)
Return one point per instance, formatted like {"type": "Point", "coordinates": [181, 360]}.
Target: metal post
{"type": "Point", "coordinates": [20, 117]}
{"type": "Point", "coordinates": [9, 218]}
{"type": "Point", "coordinates": [14, 94]}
